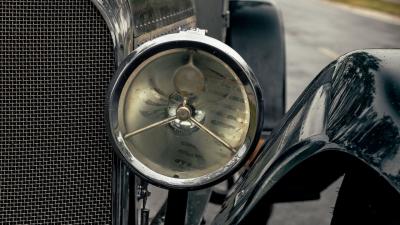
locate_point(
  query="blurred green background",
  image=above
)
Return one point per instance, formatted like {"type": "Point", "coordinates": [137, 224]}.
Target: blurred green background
{"type": "Point", "coordinates": [387, 6]}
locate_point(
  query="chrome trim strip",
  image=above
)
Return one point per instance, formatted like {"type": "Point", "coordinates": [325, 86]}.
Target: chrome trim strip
{"type": "Point", "coordinates": [184, 24]}
{"type": "Point", "coordinates": [119, 17]}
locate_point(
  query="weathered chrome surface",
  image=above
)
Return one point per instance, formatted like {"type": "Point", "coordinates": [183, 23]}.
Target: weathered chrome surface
{"type": "Point", "coordinates": [352, 107]}
{"type": "Point", "coordinates": [133, 22]}
{"type": "Point", "coordinates": [169, 46]}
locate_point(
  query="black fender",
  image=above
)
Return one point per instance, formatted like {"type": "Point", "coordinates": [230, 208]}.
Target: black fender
{"type": "Point", "coordinates": [352, 108]}
{"type": "Point", "coordinates": [256, 33]}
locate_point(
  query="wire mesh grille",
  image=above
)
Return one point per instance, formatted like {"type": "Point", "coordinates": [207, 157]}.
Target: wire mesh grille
{"type": "Point", "coordinates": [56, 59]}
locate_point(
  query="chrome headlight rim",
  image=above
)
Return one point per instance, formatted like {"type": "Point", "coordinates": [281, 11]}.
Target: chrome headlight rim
{"type": "Point", "coordinates": [185, 40]}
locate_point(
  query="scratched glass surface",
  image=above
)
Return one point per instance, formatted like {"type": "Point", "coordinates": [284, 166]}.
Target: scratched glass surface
{"type": "Point", "coordinates": [184, 113]}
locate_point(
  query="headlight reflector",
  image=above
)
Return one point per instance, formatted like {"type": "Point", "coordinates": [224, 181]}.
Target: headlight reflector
{"type": "Point", "coordinates": [184, 110]}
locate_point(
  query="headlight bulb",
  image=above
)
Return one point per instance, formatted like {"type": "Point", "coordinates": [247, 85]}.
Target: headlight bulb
{"type": "Point", "coordinates": [188, 79]}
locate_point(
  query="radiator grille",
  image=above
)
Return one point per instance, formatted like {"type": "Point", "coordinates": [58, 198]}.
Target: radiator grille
{"type": "Point", "coordinates": [56, 59]}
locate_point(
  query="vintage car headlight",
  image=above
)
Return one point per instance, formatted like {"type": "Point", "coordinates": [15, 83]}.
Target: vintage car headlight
{"type": "Point", "coordinates": [184, 110]}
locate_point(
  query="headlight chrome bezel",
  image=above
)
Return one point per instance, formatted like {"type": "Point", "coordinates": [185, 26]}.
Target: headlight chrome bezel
{"type": "Point", "coordinates": [223, 52]}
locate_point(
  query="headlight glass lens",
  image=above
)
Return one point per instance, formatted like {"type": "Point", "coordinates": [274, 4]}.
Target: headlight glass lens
{"type": "Point", "coordinates": [183, 113]}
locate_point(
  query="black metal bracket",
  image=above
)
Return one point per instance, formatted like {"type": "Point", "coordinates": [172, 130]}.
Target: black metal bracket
{"type": "Point", "coordinates": [176, 207]}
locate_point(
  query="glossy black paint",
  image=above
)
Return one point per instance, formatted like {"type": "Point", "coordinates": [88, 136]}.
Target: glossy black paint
{"type": "Point", "coordinates": [176, 207]}
{"type": "Point", "coordinates": [351, 108]}
{"type": "Point", "coordinates": [256, 32]}
{"type": "Point", "coordinates": [213, 15]}
{"type": "Point", "coordinates": [365, 198]}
